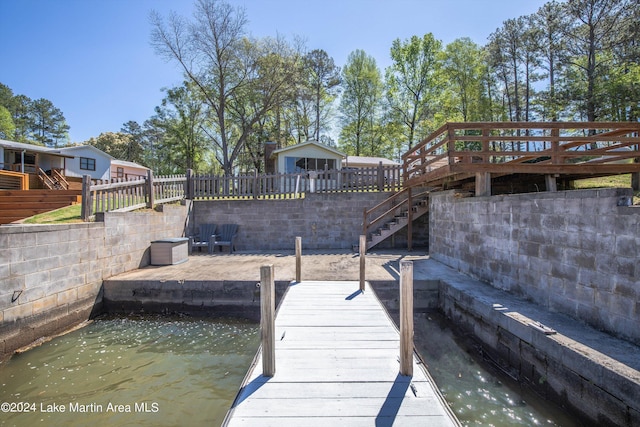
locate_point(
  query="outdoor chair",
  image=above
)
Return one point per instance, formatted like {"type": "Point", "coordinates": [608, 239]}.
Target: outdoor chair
{"type": "Point", "coordinates": [204, 238]}
{"type": "Point", "coordinates": [225, 236]}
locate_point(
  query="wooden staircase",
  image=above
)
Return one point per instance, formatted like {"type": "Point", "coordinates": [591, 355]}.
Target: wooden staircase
{"type": "Point", "coordinates": [393, 214]}
{"type": "Point", "coordinates": [20, 204]}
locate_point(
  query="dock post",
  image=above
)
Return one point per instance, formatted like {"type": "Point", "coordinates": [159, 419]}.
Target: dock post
{"type": "Point", "coordinates": [267, 320]}
{"type": "Point", "coordinates": [298, 259]}
{"type": "Point", "coordinates": [406, 318]}
{"type": "Point", "coordinates": [363, 252]}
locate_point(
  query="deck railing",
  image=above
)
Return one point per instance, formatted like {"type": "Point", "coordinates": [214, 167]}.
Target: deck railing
{"type": "Point", "coordinates": [288, 186]}
{"type": "Point", "coordinates": [10, 180]}
{"type": "Point", "coordinates": [524, 147]}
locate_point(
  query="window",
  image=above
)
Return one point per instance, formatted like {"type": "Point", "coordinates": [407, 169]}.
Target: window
{"type": "Point", "coordinates": [87, 164]}
{"type": "Point", "coordinates": [120, 172]}
{"type": "Point", "coordinates": [304, 164]}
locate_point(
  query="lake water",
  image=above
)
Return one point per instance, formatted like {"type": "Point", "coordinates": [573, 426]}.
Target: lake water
{"type": "Point", "coordinates": [139, 372]}
{"type": "Point", "coordinates": [478, 394]}
{"type": "Point", "coordinates": [158, 371]}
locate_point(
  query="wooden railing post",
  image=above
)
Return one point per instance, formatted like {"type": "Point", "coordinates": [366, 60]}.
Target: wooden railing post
{"type": "Point", "coordinates": [363, 252]}
{"type": "Point", "coordinates": [267, 320]}
{"type": "Point", "coordinates": [86, 198]}
{"type": "Point", "coordinates": [380, 177]}
{"type": "Point", "coordinates": [151, 199]}
{"type": "Point", "coordinates": [410, 221]}
{"type": "Point", "coordinates": [406, 318]}
{"type": "Point", "coordinates": [255, 188]}
{"type": "Point", "coordinates": [189, 185]}
{"type": "Point", "coordinates": [298, 259]}
{"type": "Point", "coordinates": [364, 222]}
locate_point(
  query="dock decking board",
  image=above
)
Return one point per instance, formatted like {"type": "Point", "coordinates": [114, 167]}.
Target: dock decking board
{"type": "Point", "coordinates": [337, 363]}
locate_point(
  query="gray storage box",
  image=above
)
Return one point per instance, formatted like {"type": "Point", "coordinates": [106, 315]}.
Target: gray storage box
{"type": "Point", "coordinates": [169, 251]}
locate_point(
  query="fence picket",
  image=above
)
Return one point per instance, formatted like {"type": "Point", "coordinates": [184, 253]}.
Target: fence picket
{"type": "Point", "coordinates": [130, 194]}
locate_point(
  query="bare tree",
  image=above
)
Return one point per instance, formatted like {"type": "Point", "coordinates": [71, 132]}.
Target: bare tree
{"type": "Point", "coordinates": [239, 79]}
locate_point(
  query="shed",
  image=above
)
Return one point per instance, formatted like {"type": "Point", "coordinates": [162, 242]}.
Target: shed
{"type": "Point", "coordinates": [308, 156]}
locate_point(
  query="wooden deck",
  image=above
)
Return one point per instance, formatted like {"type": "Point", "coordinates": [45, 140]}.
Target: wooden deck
{"type": "Point", "coordinates": [461, 152]}
{"type": "Point", "coordinates": [337, 363]}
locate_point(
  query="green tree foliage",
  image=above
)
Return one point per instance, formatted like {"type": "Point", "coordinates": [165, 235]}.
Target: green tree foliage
{"type": "Point", "coordinates": [133, 151]}
{"type": "Point", "coordinates": [412, 86]}
{"type": "Point", "coordinates": [7, 128]}
{"type": "Point", "coordinates": [360, 105]}
{"type": "Point", "coordinates": [571, 60]}
{"type": "Point", "coordinates": [116, 144]}
{"type": "Point", "coordinates": [593, 32]}
{"type": "Point", "coordinates": [37, 122]}
{"type": "Point", "coordinates": [182, 117]}
{"type": "Point", "coordinates": [463, 65]}
{"type": "Point", "coordinates": [47, 125]}
{"type": "Point", "coordinates": [323, 78]}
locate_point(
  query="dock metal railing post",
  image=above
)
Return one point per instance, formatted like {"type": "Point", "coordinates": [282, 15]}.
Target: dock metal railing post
{"type": "Point", "coordinates": [298, 259]}
{"type": "Point", "coordinates": [363, 252]}
{"type": "Point", "coordinates": [267, 320]}
{"type": "Point", "coordinates": [406, 318]}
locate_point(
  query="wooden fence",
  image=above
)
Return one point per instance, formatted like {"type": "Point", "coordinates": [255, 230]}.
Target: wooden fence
{"type": "Point", "coordinates": [130, 194]}
{"type": "Point", "coordinates": [287, 186]}
{"type": "Point", "coordinates": [141, 192]}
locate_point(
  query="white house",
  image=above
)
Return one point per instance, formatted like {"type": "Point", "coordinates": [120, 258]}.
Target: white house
{"type": "Point", "coordinates": [89, 160]}
{"type": "Point", "coordinates": [308, 156]}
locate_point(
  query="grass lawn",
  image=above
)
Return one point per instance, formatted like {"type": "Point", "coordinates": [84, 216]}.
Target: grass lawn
{"type": "Point", "coordinates": [66, 215]}
{"type": "Point", "coordinates": [615, 181]}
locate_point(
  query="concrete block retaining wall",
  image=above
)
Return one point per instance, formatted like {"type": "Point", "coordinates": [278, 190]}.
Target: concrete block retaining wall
{"type": "Point", "coordinates": [324, 221]}
{"type": "Point", "coordinates": [51, 275]}
{"type": "Point", "coordinates": [574, 252]}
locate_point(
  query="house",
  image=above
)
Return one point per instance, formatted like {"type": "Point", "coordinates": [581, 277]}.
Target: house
{"type": "Point", "coordinates": [33, 166]}
{"type": "Point", "coordinates": [28, 158]}
{"type": "Point", "coordinates": [307, 156]}
{"type": "Point", "coordinates": [89, 160]}
{"type": "Point", "coordinates": [24, 166]}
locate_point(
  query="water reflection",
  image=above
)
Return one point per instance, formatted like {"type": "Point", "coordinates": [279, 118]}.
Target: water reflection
{"type": "Point", "coordinates": [121, 371]}
{"type": "Point", "coordinates": [478, 395]}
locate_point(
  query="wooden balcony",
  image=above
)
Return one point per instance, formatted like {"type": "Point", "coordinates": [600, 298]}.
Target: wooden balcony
{"type": "Point", "coordinates": [460, 153]}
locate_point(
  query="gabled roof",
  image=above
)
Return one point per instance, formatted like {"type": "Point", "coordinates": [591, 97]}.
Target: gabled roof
{"type": "Point", "coordinates": [91, 147]}
{"type": "Point", "coordinates": [305, 144]}
{"type": "Point", "coordinates": [128, 164]}
{"type": "Point", "coordinates": [32, 148]}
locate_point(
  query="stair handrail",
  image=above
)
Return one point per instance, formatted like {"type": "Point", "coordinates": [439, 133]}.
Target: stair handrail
{"type": "Point", "coordinates": [366, 225]}
{"type": "Point", "coordinates": [46, 179]}
{"type": "Point", "coordinates": [61, 178]}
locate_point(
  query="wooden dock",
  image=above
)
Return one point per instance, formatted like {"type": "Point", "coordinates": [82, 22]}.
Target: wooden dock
{"type": "Point", "coordinates": [337, 363]}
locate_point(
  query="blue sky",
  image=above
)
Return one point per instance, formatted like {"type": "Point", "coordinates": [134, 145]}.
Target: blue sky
{"type": "Point", "coordinates": [93, 60]}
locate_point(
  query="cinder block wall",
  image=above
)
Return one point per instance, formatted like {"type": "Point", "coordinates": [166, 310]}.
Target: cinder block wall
{"type": "Point", "coordinates": [324, 221]}
{"type": "Point", "coordinates": [575, 252]}
{"type": "Point", "coordinates": [51, 275]}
